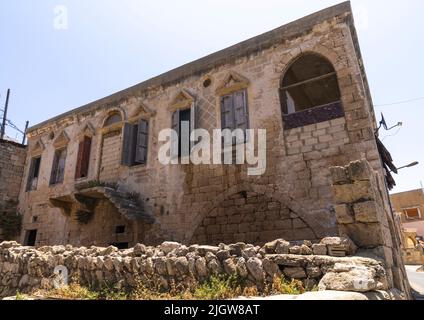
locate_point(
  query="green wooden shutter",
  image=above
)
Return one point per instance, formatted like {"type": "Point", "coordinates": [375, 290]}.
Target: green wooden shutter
{"type": "Point", "coordinates": [61, 163]}
{"type": "Point", "coordinates": [31, 175]}
{"type": "Point", "coordinates": [227, 112]}
{"type": "Point", "coordinates": [240, 110]}
{"type": "Point", "coordinates": [176, 127]}
{"type": "Point", "coordinates": [127, 145]}
{"type": "Point", "coordinates": [142, 142]}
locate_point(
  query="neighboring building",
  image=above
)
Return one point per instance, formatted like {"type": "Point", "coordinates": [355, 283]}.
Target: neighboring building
{"type": "Point", "coordinates": [410, 206]}
{"type": "Point", "coordinates": [12, 163]}
{"type": "Point", "coordinates": [93, 175]}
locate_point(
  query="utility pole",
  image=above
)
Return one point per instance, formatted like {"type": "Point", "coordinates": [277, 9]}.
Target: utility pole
{"type": "Point", "coordinates": [3, 126]}
{"type": "Point", "coordinates": [25, 131]}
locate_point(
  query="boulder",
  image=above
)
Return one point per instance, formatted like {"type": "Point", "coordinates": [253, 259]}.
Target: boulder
{"type": "Point", "coordinates": [168, 246]}
{"type": "Point", "coordinates": [230, 267]}
{"type": "Point", "coordinates": [350, 277]}
{"type": "Point", "coordinates": [241, 267]}
{"type": "Point", "coordinates": [203, 250]}
{"type": "Point", "coordinates": [139, 249]}
{"type": "Point", "coordinates": [319, 249]}
{"type": "Point", "coordinates": [254, 265]}
{"type": "Point", "coordinates": [305, 250]}
{"type": "Point", "coordinates": [201, 268]}
{"type": "Point", "coordinates": [295, 272]}
{"type": "Point", "coordinates": [108, 251]}
{"type": "Point", "coordinates": [223, 255]}
{"type": "Point", "coordinates": [181, 264]}
{"type": "Point", "coordinates": [282, 247]}
{"type": "Point", "coordinates": [294, 250]}
{"type": "Point", "coordinates": [339, 246]}
{"type": "Point", "coordinates": [271, 268]}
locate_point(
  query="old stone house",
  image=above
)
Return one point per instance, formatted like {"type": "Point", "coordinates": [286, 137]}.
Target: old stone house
{"type": "Point", "coordinates": [92, 175]}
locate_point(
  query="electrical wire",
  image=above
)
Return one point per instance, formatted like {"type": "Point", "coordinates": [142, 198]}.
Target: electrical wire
{"type": "Point", "coordinates": [392, 135]}
{"type": "Point", "coordinates": [399, 102]}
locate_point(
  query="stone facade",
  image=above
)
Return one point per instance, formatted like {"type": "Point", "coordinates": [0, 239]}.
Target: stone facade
{"type": "Point", "coordinates": [364, 215]}
{"type": "Point", "coordinates": [211, 203]}
{"type": "Point", "coordinates": [12, 163]}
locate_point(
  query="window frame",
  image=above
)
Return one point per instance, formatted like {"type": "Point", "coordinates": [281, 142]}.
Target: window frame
{"type": "Point", "coordinates": [131, 131]}
{"type": "Point", "coordinates": [31, 172]}
{"type": "Point", "coordinates": [404, 210]}
{"type": "Point", "coordinates": [56, 179]}
{"type": "Point", "coordinates": [83, 156]}
{"type": "Point", "coordinates": [318, 112]}
{"type": "Point", "coordinates": [232, 94]}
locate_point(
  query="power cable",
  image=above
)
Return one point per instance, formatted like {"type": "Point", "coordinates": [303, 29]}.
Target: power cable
{"type": "Point", "coordinates": [399, 102]}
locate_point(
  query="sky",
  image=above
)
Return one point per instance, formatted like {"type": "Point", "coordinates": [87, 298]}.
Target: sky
{"type": "Point", "coordinates": [58, 55]}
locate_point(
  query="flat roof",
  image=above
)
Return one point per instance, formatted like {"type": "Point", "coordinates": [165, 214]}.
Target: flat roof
{"type": "Point", "coordinates": [255, 44]}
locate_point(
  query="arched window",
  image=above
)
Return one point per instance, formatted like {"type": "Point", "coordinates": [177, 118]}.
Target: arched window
{"type": "Point", "coordinates": [310, 89]}
{"type": "Point", "coordinates": [113, 118]}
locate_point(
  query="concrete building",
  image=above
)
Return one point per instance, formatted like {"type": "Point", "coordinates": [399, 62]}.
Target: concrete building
{"type": "Point", "coordinates": [410, 206]}
{"type": "Point", "coordinates": [92, 175]}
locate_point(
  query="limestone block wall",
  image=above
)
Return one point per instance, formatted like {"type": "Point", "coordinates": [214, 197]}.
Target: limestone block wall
{"type": "Point", "coordinates": [363, 214]}
{"type": "Point", "coordinates": [292, 199]}
{"type": "Point", "coordinates": [12, 162]}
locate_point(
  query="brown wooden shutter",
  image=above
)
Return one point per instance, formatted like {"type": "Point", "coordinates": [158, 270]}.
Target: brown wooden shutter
{"type": "Point", "coordinates": [142, 142]}
{"type": "Point", "coordinates": [85, 160]}
{"type": "Point", "coordinates": [78, 170]}
{"type": "Point", "coordinates": [127, 145]}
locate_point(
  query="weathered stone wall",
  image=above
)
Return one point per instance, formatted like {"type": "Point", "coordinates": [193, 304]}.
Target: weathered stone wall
{"type": "Point", "coordinates": [12, 162]}
{"type": "Point", "coordinates": [27, 269]}
{"type": "Point", "coordinates": [363, 214]}
{"type": "Point", "coordinates": [292, 200]}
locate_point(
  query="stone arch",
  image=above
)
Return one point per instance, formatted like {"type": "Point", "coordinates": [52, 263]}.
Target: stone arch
{"type": "Point", "coordinates": [113, 111]}
{"type": "Point", "coordinates": [247, 201]}
{"type": "Point", "coordinates": [309, 88]}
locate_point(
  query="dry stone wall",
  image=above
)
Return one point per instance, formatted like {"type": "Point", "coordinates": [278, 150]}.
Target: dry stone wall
{"type": "Point", "coordinates": [26, 269]}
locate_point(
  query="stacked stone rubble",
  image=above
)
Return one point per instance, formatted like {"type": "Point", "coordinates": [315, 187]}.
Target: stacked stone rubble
{"type": "Point", "coordinates": [26, 269]}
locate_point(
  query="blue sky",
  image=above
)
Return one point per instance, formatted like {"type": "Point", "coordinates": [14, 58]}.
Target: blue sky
{"type": "Point", "coordinates": [110, 45]}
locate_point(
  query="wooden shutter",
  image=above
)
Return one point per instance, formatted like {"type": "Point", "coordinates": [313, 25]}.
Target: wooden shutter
{"type": "Point", "coordinates": [61, 166]}
{"type": "Point", "coordinates": [176, 127]}
{"type": "Point", "coordinates": [78, 170]}
{"type": "Point", "coordinates": [240, 110]}
{"type": "Point", "coordinates": [227, 112]}
{"type": "Point", "coordinates": [85, 161]}
{"type": "Point", "coordinates": [142, 142]}
{"type": "Point", "coordinates": [193, 122]}
{"type": "Point", "coordinates": [54, 175]}
{"type": "Point", "coordinates": [31, 174]}
{"type": "Point", "coordinates": [127, 145]}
